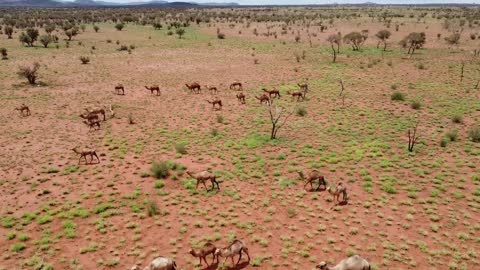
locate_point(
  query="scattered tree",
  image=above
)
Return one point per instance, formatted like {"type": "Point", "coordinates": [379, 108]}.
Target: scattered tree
{"type": "Point", "coordinates": [84, 59]}
{"type": "Point", "coordinates": [45, 40]}
{"type": "Point", "coordinates": [8, 30]}
{"type": "Point", "coordinates": [355, 39]}
{"type": "Point", "coordinates": [180, 32]}
{"type": "Point", "coordinates": [278, 118]}
{"type": "Point", "coordinates": [96, 28]}
{"type": "Point", "coordinates": [383, 35]}
{"type": "Point", "coordinates": [413, 41]}
{"type": "Point", "coordinates": [334, 39]}
{"type": "Point", "coordinates": [71, 32]}
{"type": "Point", "coordinates": [29, 72]}
{"type": "Point", "coordinates": [29, 36]}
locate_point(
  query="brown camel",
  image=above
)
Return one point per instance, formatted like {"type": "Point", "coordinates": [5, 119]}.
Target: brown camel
{"type": "Point", "coordinates": [84, 153]}
{"type": "Point", "coordinates": [312, 176]}
{"type": "Point", "coordinates": [274, 92]}
{"type": "Point", "coordinates": [97, 111]}
{"type": "Point", "coordinates": [207, 249]}
{"type": "Point", "coordinates": [154, 88]}
{"type": "Point", "coordinates": [212, 89]}
{"type": "Point", "coordinates": [90, 117]}
{"type": "Point", "coordinates": [234, 249]}
{"type": "Point", "coordinates": [194, 87]}
{"type": "Point", "coordinates": [216, 101]}
{"type": "Point", "coordinates": [241, 98]}
{"type": "Point", "coordinates": [24, 110]}
{"type": "Point", "coordinates": [203, 177]}
{"type": "Point", "coordinates": [94, 124]}
{"type": "Point", "coordinates": [303, 86]}
{"type": "Point", "coordinates": [298, 95]}
{"type": "Point", "coordinates": [339, 189]}
{"type": "Point", "coordinates": [263, 98]}
{"type": "Point", "coordinates": [120, 89]}
{"type": "Point", "coordinates": [236, 86]}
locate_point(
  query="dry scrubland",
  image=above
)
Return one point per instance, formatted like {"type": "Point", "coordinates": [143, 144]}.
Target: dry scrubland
{"type": "Point", "coordinates": [406, 210]}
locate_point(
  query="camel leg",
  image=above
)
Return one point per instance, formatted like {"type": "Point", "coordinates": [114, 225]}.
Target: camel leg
{"type": "Point", "coordinates": [246, 252]}
{"type": "Point", "coordinates": [95, 154]}
{"type": "Point", "coordinates": [218, 186]}
{"type": "Point", "coordinates": [233, 262]}
{"type": "Point", "coordinates": [80, 160]}
{"type": "Point", "coordinates": [205, 259]}
{"type": "Point", "coordinates": [198, 182]}
{"type": "Point", "coordinates": [239, 257]}
{"type": "Point", "coordinates": [205, 185]}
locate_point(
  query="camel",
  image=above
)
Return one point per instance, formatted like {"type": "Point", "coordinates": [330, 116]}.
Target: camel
{"type": "Point", "coordinates": [119, 87]}
{"type": "Point", "coordinates": [84, 153]}
{"type": "Point", "coordinates": [236, 86]}
{"type": "Point", "coordinates": [312, 176]}
{"type": "Point", "coordinates": [241, 98]}
{"type": "Point", "coordinates": [216, 101]}
{"type": "Point", "coordinates": [154, 88]}
{"type": "Point", "coordinates": [159, 263]}
{"type": "Point", "coordinates": [264, 98]}
{"type": "Point", "coordinates": [97, 111]}
{"type": "Point", "coordinates": [194, 87]}
{"type": "Point", "coordinates": [90, 117]}
{"type": "Point", "coordinates": [297, 95]}
{"type": "Point", "coordinates": [203, 177]}
{"type": "Point", "coordinates": [24, 110]}
{"type": "Point", "coordinates": [354, 262]}
{"type": "Point", "coordinates": [274, 92]}
{"type": "Point", "coordinates": [236, 248]}
{"type": "Point", "coordinates": [212, 89]}
{"type": "Point", "coordinates": [340, 189]}
{"type": "Point", "coordinates": [303, 86]}
{"type": "Point", "coordinates": [207, 249]}
{"type": "Point", "coordinates": [95, 125]}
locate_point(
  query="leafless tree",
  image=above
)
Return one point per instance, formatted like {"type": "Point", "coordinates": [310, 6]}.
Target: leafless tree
{"type": "Point", "coordinates": [278, 117]}
{"type": "Point", "coordinates": [412, 138]}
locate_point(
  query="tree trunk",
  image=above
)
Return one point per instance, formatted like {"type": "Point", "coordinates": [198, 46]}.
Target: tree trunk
{"type": "Point", "coordinates": [334, 54]}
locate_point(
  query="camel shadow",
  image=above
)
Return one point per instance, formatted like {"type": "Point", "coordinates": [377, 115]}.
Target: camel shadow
{"type": "Point", "coordinates": [319, 189]}
{"type": "Point", "coordinates": [343, 203]}
{"type": "Point", "coordinates": [212, 266]}
{"type": "Point", "coordinates": [239, 266]}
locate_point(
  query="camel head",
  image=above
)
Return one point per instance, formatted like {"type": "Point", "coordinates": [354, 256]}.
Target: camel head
{"type": "Point", "coordinates": [300, 173]}
{"type": "Point", "coordinates": [321, 265]}
{"type": "Point", "coordinates": [135, 267]}
{"type": "Point", "coordinates": [191, 251]}
{"type": "Point", "coordinates": [217, 252]}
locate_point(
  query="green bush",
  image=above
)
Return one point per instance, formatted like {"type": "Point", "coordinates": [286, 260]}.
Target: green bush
{"type": "Point", "coordinates": [159, 184]}
{"type": "Point", "coordinates": [160, 170]}
{"type": "Point", "coordinates": [452, 135]}
{"type": "Point", "coordinates": [416, 105]}
{"type": "Point", "coordinates": [301, 111]}
{"type": "Point", "coordinates": [152, 208]}
{"type": "Point", "coordinates": [181, 148]}
{"type": "Point", "coordinates": [398, 96]}
{"type": "Point", "coordinates": [457, 118]}
{"type": "Point", "coordinates": [443, 142]}
{"type": "Point", "coordinates": [474, 134]}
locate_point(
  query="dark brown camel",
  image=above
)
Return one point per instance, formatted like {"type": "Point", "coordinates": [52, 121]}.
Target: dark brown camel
{"type": "Point", "coordinates": [263, 98]}
{"type": "Point", "coordinates": [194, 87]}
{"type": "Point", "coordinates": [216, 101]}
{"type": "Point", "coordinates": [24, 110]}
{"type": "Point", "coordinates": [207, 249]}
{"type": "Point", "coordinates": [312, 176]}
{"type": "Point", "coordinates": [303, 86]}
{"type": "Point", "coordinates": [298, 95]}
{"type": "Point", "coordinates": [84, 153]}
{"type": "Point", "coordinates": [97, 111]}
{"type": "Point", "coordinates": [236, 86]}
{"type": "Point", "coordinates": [120, 89]}
{"type": "Point", "coordinates": [241, 98]}
{"type": "Point", "coordinates": [274, 92]}
{"type": "Point", "coordinates": [154, 88]}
